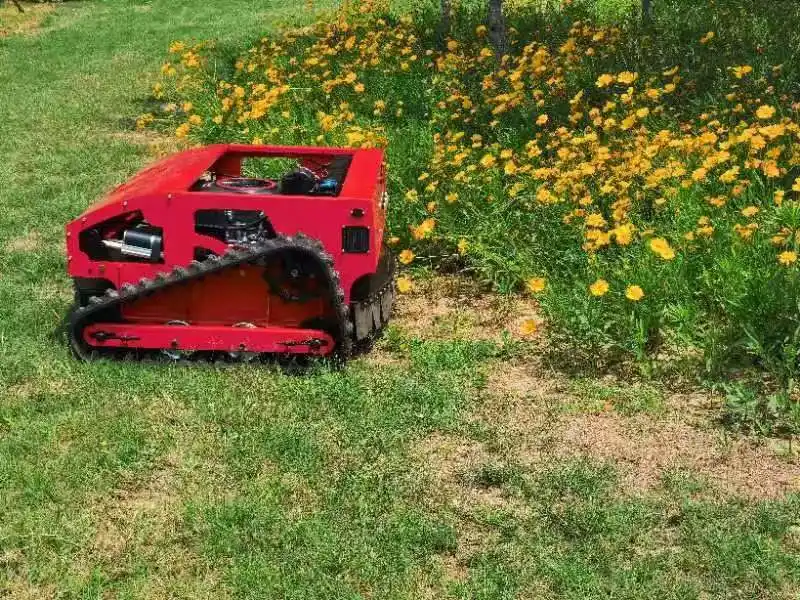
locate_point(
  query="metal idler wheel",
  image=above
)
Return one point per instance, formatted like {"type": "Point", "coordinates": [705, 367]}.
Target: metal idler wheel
{"type": "Point", "coordinates": [241, 355]}
{"type": "Point", "coordinates": [174, 353]}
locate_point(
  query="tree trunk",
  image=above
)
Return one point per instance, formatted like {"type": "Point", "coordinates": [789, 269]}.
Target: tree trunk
{"type": "Point", "coordinates": [497, 28]}
{"type": "Point", "coordinates": [444, 21]}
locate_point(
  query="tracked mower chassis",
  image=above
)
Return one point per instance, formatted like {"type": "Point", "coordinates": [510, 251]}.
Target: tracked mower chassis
{"type": "Point", "coordinates": [175, 266]}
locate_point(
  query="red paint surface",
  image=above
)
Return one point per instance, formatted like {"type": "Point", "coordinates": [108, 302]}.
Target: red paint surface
{"type": "Point", "coordinates": [161, 193]}
{"type": "Point", "coordinates": [211, 338]}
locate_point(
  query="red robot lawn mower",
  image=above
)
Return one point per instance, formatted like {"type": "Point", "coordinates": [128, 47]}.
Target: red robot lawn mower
{"type": "Point", "coordinates": [235, 252]}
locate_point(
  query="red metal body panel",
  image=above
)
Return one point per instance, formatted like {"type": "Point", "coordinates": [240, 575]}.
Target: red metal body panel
{"type": "Point", "coordinates": [162, 194]}
{"type": "Point", "coordinates": [284, 340]}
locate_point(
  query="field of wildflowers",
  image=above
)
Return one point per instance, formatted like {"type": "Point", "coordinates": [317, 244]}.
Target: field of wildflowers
{"type": "Point", "coordinates": [641, 183]}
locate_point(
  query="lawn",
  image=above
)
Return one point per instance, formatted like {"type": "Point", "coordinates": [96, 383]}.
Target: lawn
{"type": "Point", "coordinates": [455, 461]}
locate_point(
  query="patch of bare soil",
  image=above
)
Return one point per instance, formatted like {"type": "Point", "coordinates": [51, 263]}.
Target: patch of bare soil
{"type": "Point", "coordinates": [27, 390]}
{"type": "Point", "coordinates": [644, 449]}
{"type": "Point", "coordinates": [525, 405]}
{"type": "Point", "coordinates": [13, 22]}
{"type": "Point", "coordinates": [28, 242]}
{"type": "Point", "coordinates": [453, 307]}
{"type": "Point", "coordinates": [381, 359]}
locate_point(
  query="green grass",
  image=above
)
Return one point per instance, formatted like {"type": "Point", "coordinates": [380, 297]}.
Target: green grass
{"type": "Point", "coordinates": [141, 481]}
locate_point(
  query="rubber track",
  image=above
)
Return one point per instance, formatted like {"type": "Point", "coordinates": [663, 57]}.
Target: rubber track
{"type": "Point", "coordinates": [82, 316]}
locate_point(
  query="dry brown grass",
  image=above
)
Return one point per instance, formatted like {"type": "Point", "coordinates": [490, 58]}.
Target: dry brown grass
{"type": "Point", "coordinates": [27, 242]}
{"type": "Point", "coordinates": [453, 307]}
{"type": "Point", "coordinates": [644, 449]}
{"type": "Point", "coordinates": [14, 22]}
{"type": "Point", "coordinates": [529, 407]}
{"type": "Point", "coordinates": [156, 144]}
{"type": "Point", "coordinates": [140, 521]}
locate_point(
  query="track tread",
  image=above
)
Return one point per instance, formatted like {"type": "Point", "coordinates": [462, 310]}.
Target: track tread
{"type": "Point", "coordinates": [81, 316]}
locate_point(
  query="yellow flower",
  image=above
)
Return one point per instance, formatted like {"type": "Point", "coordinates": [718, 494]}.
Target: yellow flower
{"type": "Point", "coordinates": [359, 88]}
{"type": "Point", "coordinates": [480, 30]}
{"type": "Point", "coordinates": [707, 37]}
{"type": "Point", "coordinates": [787, 257]}
{"type": "Point", "coordinates": [634, 293]}
{"type": "Point", "coordinates": [730, 175]}
{"type": "Point", "coordinates": [750, 211]}
{"type": "Point", "coordinates": [604, 80]}
{"type": "Point", "coordinates": [595, 220]}
{"type": "Point", "coordinates": [424, 229]}
{"type": "Point", "coordinates": [451, 197]}
{"type": "Point", "coordinates": [412, 195]}
{"type": "Point", "coordinates": [528, 327]}
{"type": "Point", "coordinates": [626, 77]}
{"type": "Point", "coordinates": [196, 120]}
{"type": "Point", "coordinates": [406, 256]}
{"type": "Point", "coordinates": [463, 246]}
{"type": "Point", "coordinates": [765, 112]}
{"type": "Point", "coordinates": [536, 284]}
{"type": "Point", "coordinates": [182, 130]}
{"type": "Point", "coordinates": [599, 288]}
{"type": "Point", "coordinates": [740, 72]}
{"type": "Point", "coordinates": [488, 161]}
{"type": "Point", "coordinates": [404, 285]}
{"type": "Point", "coordinates": [542, 120]}
{"type": "Point", "coordinates": [623, 234]}
{"type": "Point", "coordinates": [662, 248]}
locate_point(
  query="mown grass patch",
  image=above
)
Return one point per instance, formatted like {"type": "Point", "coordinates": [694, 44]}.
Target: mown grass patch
{"type": "Point", "coordinates": [139, 481]}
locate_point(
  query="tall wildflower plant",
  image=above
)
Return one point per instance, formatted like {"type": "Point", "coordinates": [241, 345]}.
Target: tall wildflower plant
{"type": "Point", "coordinates": [652, 211]}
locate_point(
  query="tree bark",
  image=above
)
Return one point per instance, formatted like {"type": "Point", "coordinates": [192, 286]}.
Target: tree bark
{"type": "Point", "coordinates": [647, 12]}
{"type": "Point", "coordinates": [497, 28]}
{"type": "Point", "coordinates": [446, 9]}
